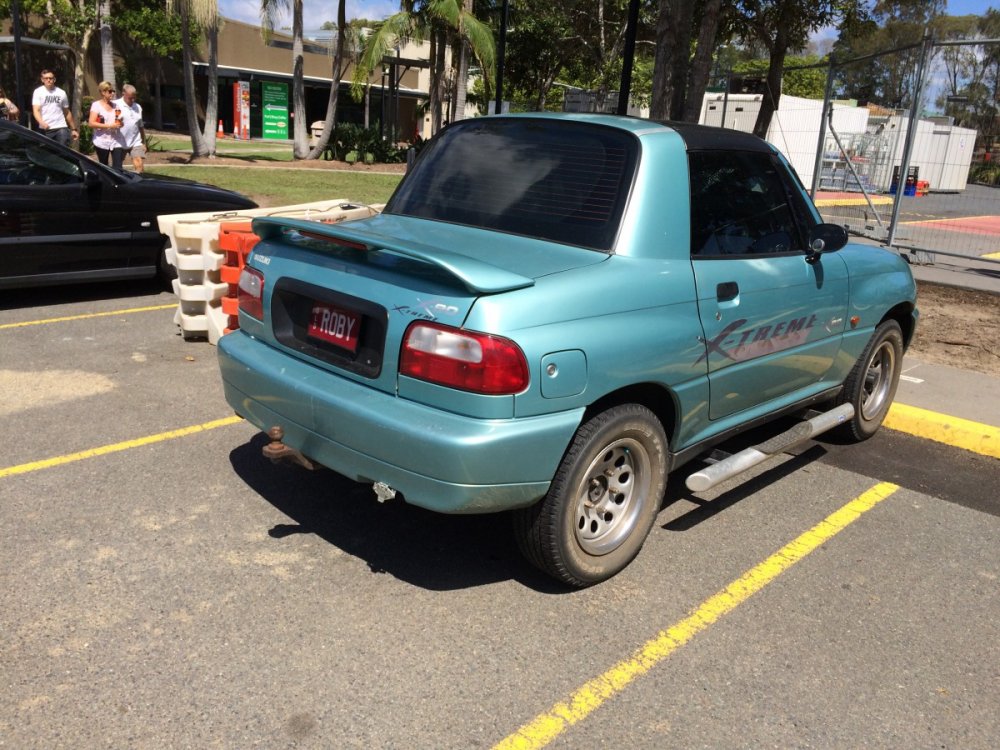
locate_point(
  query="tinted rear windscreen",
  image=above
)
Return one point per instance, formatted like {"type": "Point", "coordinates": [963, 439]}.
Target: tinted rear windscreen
{"type": "Point", "coordinates": [561, 181]}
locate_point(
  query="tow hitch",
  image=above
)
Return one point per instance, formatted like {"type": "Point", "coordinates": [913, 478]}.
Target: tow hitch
{"type": "Point", "coordinates": [278, 452]}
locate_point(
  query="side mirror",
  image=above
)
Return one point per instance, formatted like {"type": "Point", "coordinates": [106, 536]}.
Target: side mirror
{"type": "Point", "coordinates": [826, 238]}
{"type": "Point", "coordinates": [91, 179]}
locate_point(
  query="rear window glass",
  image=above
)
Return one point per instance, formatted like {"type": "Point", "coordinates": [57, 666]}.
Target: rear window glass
{"type": "Point", "coordinates": [560, 181]}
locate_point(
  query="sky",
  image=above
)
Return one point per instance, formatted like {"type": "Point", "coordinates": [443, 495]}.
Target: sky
{"type": "Point", "coordinates": [971, 7]}
{"type": "Point", "coordinates": [318, 11]}
{"type": "Point", "coordinates": [315, 12]}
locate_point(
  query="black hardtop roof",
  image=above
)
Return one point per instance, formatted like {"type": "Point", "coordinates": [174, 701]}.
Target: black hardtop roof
{"type": "Point", "coordinates": [708, 138]}
{"type": "Point", "coordinates": [695, 137]}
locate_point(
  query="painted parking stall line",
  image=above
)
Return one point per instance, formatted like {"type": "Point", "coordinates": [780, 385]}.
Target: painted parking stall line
{"type": "Point", "coordinates": [104, 450]}
{"type": "Point", "coordinates": [548, 726]}
{"type": "Point", "coordinates": [87, 316]}
{"type": "Point", "coordinates": [977, 437]}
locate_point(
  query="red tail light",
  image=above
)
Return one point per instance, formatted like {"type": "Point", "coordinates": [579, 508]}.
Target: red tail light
{"type": "Point", "coordinates": [463, 359]}
{"type": "Point", "coordinates": [251, 292]}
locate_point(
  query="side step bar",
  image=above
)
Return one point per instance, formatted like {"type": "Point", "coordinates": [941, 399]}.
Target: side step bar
{"type": "Point", "coordinates": [747, 458]}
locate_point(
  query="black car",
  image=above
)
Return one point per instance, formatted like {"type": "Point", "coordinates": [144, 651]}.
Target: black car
{"type": "Point", "coordinates": [64, 218]}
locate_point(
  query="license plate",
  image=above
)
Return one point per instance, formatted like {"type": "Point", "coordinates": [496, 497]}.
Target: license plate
{"type": "Point", "coordinates": [337, 326]}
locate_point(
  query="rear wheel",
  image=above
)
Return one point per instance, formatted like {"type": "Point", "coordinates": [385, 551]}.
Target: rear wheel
{"type": "Point", "coordinates": [603, 500]}
{"type": "Point", "coordinates": [872, 384]}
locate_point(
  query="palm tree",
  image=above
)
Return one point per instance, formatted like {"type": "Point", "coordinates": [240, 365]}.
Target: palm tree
{"type": "Point", "coordinates": [442, 22]}
{"type": "Point", "coordinates": [270, 10]}
{"type": "Point", "coordinates": [206, 14]}
{"type": "Point", "coordinates": [468, 35]}
{"type": "Point", "coordinates": [107, 45]}
{"type": "Point", "coordinates": [335, 75]}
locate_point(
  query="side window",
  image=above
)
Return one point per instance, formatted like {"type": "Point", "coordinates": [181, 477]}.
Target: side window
{"type": "Point", "coordinates": [741, 205]}
{"type": "Point", "coordinates": [24, 161]}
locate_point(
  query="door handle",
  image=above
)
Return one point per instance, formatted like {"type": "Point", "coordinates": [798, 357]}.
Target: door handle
{"type": "Point", "coordinates": [726, 291]}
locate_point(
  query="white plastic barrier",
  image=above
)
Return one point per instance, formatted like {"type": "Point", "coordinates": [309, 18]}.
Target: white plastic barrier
{"type": "Point", "coordinates": [194, 251]}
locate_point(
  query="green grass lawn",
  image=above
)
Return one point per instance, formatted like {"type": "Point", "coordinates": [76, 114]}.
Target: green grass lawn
{"type": "Point", "coordinates": [256, 149]}
{"type": "Point", "coordinates": [282, 187]}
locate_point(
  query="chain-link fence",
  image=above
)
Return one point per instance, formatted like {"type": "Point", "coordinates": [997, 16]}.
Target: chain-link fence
{"type": "Point", "coordinates": [902, 179]}
{"type": "Point", "coordinates": [924, 185]}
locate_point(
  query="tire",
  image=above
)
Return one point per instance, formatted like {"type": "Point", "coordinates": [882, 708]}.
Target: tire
{"type": "Point", "coordinates": [603, 499]}
{"type": "Point", "coordinates": [165, 271]}
{"type": "Point", "coordinates": [871, 385]}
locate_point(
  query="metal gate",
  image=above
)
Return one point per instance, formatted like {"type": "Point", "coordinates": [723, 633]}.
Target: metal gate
{"type": "Point", "coordinates": [904, 180]}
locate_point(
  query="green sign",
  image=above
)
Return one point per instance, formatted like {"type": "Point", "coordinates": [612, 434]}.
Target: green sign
{"type": "Point", "coordinates": [274, 102]}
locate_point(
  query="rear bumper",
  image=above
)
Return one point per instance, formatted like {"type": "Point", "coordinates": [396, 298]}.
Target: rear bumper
{"type": "Point", "coordinates": [438, 460]}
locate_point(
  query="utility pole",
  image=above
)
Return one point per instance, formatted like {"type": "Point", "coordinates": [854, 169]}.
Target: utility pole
{"type": "Point", "coordinates": [504, 18]}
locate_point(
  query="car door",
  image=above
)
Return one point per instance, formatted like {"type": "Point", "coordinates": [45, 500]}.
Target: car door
{"type": "Point", "coordinates": [62, 218]}
{"type": "Point", "coordinates": [772, 319]}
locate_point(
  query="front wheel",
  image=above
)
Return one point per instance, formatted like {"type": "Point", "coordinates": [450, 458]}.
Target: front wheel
{"type": "Point", "coordinates": [871, 385]}
{"type": "Point", "coordinates": [603, 500]}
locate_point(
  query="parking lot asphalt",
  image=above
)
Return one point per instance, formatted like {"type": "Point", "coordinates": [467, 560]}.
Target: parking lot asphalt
{"type": "Point", "coordinates": [161, 585]}
{"type": "Point", "coordinates": [963, 228]}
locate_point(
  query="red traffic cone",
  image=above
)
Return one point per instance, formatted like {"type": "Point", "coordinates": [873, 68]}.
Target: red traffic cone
{"type": "Point", "coordinates": [220, 133]}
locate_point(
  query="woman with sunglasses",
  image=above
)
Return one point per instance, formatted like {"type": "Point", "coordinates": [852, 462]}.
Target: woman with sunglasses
{"type": "Point", "coordinates": [106, 122]}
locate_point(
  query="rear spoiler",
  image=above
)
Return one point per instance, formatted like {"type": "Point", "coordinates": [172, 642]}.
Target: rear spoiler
{"type": "Point", "coordinates": [478, 277]}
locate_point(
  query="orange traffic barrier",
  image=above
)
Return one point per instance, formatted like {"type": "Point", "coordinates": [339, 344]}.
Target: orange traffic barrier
{"type": "Point", "coordinates": [236, 239]}
{"type": "Point", "coordinates": [923, 187]}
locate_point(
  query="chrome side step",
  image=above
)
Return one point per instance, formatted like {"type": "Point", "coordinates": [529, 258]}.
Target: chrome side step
{"type": "Point", "coordinates": [747, 458]}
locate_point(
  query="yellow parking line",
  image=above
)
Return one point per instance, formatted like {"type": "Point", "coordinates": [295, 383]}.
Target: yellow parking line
{"type": "Point", "coordinates": [942, 428]}
{"type": "Point", "coordinates": [116, 447]}
{"type": "Point", "coordinates": [86, 315]}
{"type": "Point", "coordinates": [546, 727]}
{"type": "Point", "coordinates": [941, 221]}
{"type": "Point", "coordinates": [833, 202]}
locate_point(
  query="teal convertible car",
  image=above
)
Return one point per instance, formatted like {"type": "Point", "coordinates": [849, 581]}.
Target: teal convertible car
{"type": "Point", "coordinates": [554, 312]}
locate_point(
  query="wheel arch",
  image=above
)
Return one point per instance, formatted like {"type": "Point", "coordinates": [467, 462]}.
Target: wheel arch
{"type": "Point", "coordinates": [657, 398]}
{"type": "Point", "coordinates": [903, 314]}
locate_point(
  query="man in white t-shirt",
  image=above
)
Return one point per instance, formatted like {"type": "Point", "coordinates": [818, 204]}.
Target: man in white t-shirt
{"type": "Point", "coordinates": [133, 130]}
{"type": "Point", "coordinates": [50, 107]}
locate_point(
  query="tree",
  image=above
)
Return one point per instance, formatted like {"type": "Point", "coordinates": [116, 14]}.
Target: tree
{"type": "Point", "coordinates": [440, 21]}
{"type": "Point", "coordinates": [541, 43]}
{"type": "Point", "coordinates": [69, 22]}
{"type": "Point", "coordinates": [972, 72]}
{"type": "Point", "coordinates": [206, 14]}
{"type": "Point", "coordinates": [889, 80]}
{"type": "Point", "coordinates": [673, 45]}
{"type": "Point", "coordinates": [686, 40]}
{"type": "Point", "coordinates": [468, 36]}
{"type": "Point", "coordinates": [799, 77]}
{"type": "Point", "coordinates": [335, 75]}
{"type": "Point", "coordinates": [107, 43]}
{"type": "Point", "coordinates": [149, 28]}
{"type": "Point", "coordinates": [601, 29]}
{"type": "Point", "coordinates": [270, 10]}
{"type": "Point", "coordinates": [784, 25]}
{"type": "Point", "coordinates": [576, 44]}
{"type": "Point", "coordinates": [708, 31]}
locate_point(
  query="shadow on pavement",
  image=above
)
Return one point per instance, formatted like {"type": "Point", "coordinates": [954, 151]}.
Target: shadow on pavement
{"type": "Point", "coordinates": [12, 299]}
{"type": "Point", "coordinates": [431, 550]}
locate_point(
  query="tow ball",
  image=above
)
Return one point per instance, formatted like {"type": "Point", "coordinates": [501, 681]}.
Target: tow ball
{"type": "Point", "coordinates": [278, 452]}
